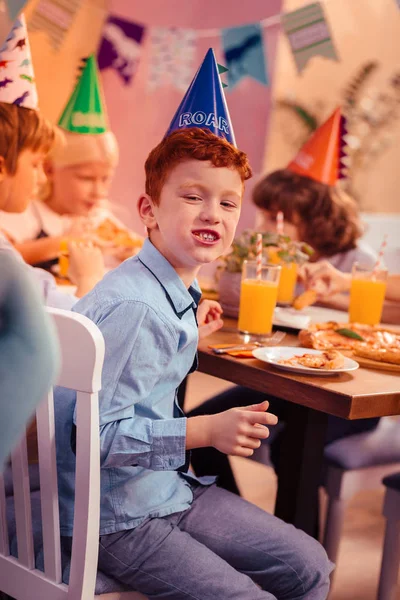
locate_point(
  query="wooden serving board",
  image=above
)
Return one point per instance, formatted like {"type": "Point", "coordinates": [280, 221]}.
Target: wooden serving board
{"type": "Point", "coordinates": [367, 363]}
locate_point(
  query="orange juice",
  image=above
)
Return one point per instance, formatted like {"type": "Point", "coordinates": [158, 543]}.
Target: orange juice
{"type": "Point", "coordinates": [287, 282]}
{"type": "Point", "coordinates": [257, 304]}
{"type": "Point", "coordinates": [366, 301]}
{"type": "Point", "coordinates": [288, 277]}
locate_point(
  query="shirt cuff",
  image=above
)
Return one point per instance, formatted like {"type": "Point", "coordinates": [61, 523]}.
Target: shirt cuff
{"type": "Point", "coordinates": [169, 444]}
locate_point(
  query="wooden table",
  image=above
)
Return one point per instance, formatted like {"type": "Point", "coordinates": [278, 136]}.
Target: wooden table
{"type": "Point", "coordinates": [357, 395]}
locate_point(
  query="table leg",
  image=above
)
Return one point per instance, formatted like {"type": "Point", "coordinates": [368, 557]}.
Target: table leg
{"type": "Point", "coordinates": [300, 467]}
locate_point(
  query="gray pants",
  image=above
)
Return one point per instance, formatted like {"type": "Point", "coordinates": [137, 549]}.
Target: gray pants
{"type": "Point", "coordinates": [222, 548]}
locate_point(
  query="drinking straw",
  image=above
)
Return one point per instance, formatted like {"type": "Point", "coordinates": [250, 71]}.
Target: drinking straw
{"type": "Point", "coordinates": [279, 223]}
{"type": "Point", "coordinates": [258, 256]}
{"type": "Point", "coordinates": [380, 256]}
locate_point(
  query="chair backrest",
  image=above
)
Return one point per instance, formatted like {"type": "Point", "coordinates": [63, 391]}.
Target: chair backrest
{"type": "Point", "coordinates": [82, 351]}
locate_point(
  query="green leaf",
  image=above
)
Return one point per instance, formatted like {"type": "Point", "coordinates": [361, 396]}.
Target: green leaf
{"type": "Point", "coordinates": [350, 334]}
{"type": "Point", "coordinates": [222, 69]}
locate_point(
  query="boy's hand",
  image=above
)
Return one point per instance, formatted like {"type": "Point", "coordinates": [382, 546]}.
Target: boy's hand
{"type": "Point", "coordinates": [237, 431]}
{"type": "Point", "coordinates": [324, 279]}
{"type": "Point", "coordinates": [209, 318]}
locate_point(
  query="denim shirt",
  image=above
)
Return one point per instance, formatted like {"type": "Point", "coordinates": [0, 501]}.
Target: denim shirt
{"type": "Point", "coordinates": [148, 319]}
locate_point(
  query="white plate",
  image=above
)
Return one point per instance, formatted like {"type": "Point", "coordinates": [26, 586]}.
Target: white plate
{"type": "Point", "coordinates": [273, 355]}
{"type": "Point", "coordinates": [287, 316]}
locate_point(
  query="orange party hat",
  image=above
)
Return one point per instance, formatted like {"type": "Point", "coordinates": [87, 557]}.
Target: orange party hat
{"type": "Point", "coordinates": [321, 156]}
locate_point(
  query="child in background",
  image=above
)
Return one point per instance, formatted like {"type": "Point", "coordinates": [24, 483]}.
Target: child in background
{"type": "Point", "coordinates": [26, 137]}
{"type": "Point", "coordinates": [315, 209]}
{"type": "Point", "coordinates": [162, 531]}
{"type": "Point", "coordinates": [73, 202]}
{"type": "Point", "coordinates": [323, 216]}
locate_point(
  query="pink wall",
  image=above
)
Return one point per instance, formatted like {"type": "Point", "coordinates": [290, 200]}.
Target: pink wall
{"type": "Point", "coordinates": [140, 118]}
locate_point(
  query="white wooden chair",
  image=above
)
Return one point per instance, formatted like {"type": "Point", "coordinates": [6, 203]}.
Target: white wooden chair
{"type": "Point", "coordinates": [82, 349]}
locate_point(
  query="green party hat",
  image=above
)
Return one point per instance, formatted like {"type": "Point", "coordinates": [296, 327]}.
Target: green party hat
{"type": "Point", "coordinates": [85, 111]}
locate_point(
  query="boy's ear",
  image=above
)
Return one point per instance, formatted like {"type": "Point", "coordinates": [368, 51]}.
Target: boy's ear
{"type": "Point", "coordinates": [48, 168]}
{"type": "Point", "coordinates": [146, 211]}
{"type": "Point", "coordinates": [3, 170]}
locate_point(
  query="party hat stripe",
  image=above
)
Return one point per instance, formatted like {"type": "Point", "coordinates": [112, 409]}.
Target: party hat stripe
{"type": "Point", "coordinates": [344, 159]}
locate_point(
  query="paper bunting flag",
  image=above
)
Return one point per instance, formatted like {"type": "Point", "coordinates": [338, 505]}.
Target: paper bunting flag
{"type": "Point", "coordinates": [9, 10]}
{"type": "Point", "coordinates": [309, 35]}
{"type": "Point", "coordinates": [221, 71]}
{"type": "Point", "coordinates": [55, 18]}
{"type": "Point", "coordinates": [172, 57]}
{"type": "Point", "coordinates": [120, 47]}
{"type": "Point", "coordinates": [244, 53]}
{"type": "Point", "coordinates": [17, 79]}
{"type": "Point", "coordinates": [14, 7]}
{"type": "Point", "coordinates": [204, 103]}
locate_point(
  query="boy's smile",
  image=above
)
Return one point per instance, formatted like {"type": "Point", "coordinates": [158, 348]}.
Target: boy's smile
{"type": "Point", "coordinates": [195, 220]}
{"type": "Point", "coordinates": [208, 237]}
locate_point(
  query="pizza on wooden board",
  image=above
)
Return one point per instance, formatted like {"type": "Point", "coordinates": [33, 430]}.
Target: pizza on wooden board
{"type": "Point", "coordinates": [373, 342]}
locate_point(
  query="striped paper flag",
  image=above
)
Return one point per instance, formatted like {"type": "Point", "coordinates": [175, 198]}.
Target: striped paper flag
{"type": "Point", "coordinates": [309, 34]}
{"type": "Point", "coordinates": [55, 17]}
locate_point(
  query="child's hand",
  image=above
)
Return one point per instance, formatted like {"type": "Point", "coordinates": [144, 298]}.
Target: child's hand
{"type": "Point", "coordinates": [239, 431]}
{"type": "Point", "coordinates": [79, 229]}
{"type": "Point", "coordinates": [209, 317]}
{"type": "Point", "coordinates": [86, 266]}
{"type": "Point", "coordinates": [324, 279]}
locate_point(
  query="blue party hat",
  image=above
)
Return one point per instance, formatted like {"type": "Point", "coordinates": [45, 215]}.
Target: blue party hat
{"type": "Point", "coordinates": [204, 103]}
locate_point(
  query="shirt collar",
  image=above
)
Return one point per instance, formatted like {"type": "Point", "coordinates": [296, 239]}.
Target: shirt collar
{"type": "Point", "coordinates": [179, 296]}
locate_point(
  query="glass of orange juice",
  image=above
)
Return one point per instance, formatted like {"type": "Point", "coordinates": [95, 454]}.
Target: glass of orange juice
{"type": "Point", "coordinates": [288, 277]}
{"type": "Point", "coordinates": [258, 298]}
{"type": "Point", "coordinates": [367, 294]}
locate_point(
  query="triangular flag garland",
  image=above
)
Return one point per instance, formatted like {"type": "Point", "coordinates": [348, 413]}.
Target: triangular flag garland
{"type": "Point", "coordinates": [221, 71]}
{"type": "Point", "coordinates": [55, 18]}
{"type": "Point", "coordinates": [9, 11]}
{"type": "Point", "coordinates": [17, 78]}
{"type": "Point", "coordinates": [14, 7]}
{"type": "Point", "coordinates": [321, 157]}
{"type": "Point", "coordinates": [85, 111]}
{"type": "Point", "coordinates": [173, 49]}
{"type": "Point", "coordinates": [308, 34]}
{"type": "Point", "coordinates": [204, 103]}
{"type": "Point", "coordinates": [244, 53]}
{"type": "Point", "coordinates": [172, 57]}
{"type": "Point", "coordinates": [120, 47]}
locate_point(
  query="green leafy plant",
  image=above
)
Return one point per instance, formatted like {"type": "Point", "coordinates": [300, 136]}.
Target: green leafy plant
{"type": "Point", "coordinates": [244, 248]}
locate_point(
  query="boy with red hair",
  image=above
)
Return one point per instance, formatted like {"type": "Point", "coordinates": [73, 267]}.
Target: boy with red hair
{"type": "Point", "coordinates": [162, 531]}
